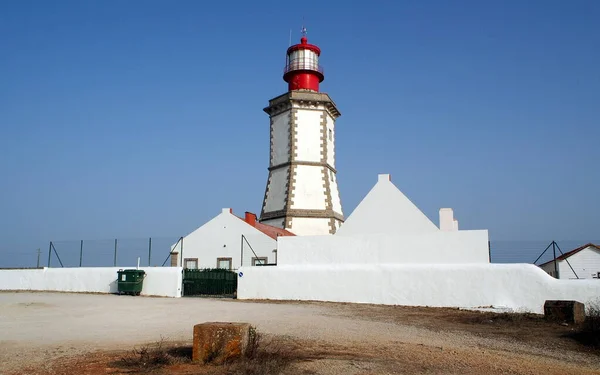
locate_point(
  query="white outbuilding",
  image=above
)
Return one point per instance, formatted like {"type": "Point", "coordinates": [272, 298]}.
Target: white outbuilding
{"type": "Point", "coordinates": [227, 239]}
{"type": "Point", "coordinates": [580, 263]}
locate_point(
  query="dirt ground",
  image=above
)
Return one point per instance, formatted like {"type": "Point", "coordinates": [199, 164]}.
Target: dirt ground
{"type": "Point", "coordinates": [60, 333]}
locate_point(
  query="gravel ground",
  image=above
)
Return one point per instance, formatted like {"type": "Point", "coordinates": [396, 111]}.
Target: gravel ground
{"type": "Point", "coordinates": [36, 328]}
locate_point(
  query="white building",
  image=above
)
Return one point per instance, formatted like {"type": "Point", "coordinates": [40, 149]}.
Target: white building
{"type": "Point", "coordinates": [220, 242]}
{"type": "Point", "coordinates": [389, 252]}
{"type": "Point", "coordinates": [302, 192]}
{"type": "Point", "coordinates": [580, 263]}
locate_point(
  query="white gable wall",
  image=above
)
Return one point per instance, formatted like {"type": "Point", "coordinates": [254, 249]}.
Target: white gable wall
{"type": "Point", "coordinates": [221, 237]}
{"type": "Point", "coordinates": [585, 263]}
{"type": "Point", "coordinates": [386, 210]}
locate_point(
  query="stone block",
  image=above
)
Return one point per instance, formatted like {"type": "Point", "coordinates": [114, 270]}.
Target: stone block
{"type": "Point", "coordinates": [564, 311]}
{"type": "Point", "coordinates": [218, 342]}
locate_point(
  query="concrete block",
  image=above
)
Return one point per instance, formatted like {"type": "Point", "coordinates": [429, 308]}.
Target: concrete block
{"type": "Point", "coordinates": [218, 342]}
{"type": "Point", "coordinates": [564, 311]}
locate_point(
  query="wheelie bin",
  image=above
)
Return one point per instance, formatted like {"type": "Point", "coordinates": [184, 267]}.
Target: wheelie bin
{"type": "Point", "coordinates": [130, 281]}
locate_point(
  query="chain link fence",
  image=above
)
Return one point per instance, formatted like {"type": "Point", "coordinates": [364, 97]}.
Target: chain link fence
{"type": "Point", "coordinates": [155, 252]}
{"type": "Point", "coordinates": [529, 251]}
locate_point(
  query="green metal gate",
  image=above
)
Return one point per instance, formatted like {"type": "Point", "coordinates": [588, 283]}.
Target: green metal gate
{"type": "Point", "coordinates": [209, 283]}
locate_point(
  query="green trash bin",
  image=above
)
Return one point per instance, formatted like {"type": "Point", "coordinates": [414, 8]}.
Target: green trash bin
{"type": "Point", "coordinates": [130, 281]}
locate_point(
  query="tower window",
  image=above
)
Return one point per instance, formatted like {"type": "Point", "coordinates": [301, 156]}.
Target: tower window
{"type": "Point", "coordinates": [331, 174]}
{"type": "Point", "coordinates": [330, 135]}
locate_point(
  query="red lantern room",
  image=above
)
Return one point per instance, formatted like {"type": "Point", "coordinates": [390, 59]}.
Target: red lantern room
{"type": "Point", "coordinates": [302, 70]}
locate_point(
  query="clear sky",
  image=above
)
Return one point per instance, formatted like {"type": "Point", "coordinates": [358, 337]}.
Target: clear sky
{"type": "Point", "coordinates": [144, 118]}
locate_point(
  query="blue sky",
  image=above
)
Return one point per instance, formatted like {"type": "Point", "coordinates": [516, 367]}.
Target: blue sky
{"type": "Point", "coordinates": [144, 118]}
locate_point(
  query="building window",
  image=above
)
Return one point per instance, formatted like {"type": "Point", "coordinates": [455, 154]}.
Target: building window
{"type": "Point", "coordinates": [330, 135]}
{"type": "Point", "coordinates": [224, 263]}
{"type": "Point", "coordinates": [331, 174]}
{"type": "Point", "coordinates": [260, 261]}
{"type": "Point", "coordinates": [190, 263]}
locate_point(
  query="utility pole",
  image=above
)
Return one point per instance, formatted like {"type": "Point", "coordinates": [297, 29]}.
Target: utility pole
{"type": "Point", "coordinates": [39, 252]}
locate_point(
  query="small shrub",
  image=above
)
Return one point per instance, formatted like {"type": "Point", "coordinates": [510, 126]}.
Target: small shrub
{"type": "Point", "coordinates": [147, 357]}
{"type": "Point", "coordinates": [262, 357]}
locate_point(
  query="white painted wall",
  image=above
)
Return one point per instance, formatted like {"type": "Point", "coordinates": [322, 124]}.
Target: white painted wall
{"type": "Point", "coordinates": [330, 142]}
{"type": "Point", "coordinates": [335, 195]}
{"type": "Point", "coordinates": [386, 210]}
{"type": "Point", "coordinates": [309, 189]}
{"type": "Point", "coordinates": [221, 237]}
{"type": "Point", "coordinates": [460, 247]}
{"type": "Point", "coordinates": [159, 281]}
{"type": "Point", "coordinates": [277, 189]}
{"type": "Point", "coordinates": [521, 287]}
{"type": "Point", "coordinates": [280, 152]}
{"type": "Point", "coordinates": [585, 263]}
{"type": "Point", "coordinates": [303, 226]}
{"type": "Point", "coordinates": [549, 268]}
{"type": "Point", "coordinates": [308, 135]}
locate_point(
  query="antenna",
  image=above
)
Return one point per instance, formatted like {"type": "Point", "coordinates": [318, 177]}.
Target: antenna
{"type": "Point", "coordinates": [290, 38]}
{"type": "Point", "coordinates": [303, 30]}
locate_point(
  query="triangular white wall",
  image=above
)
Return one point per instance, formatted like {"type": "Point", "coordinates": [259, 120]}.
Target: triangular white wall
{"type": "Point", "coordinates": [221, 237]}
{"type": "Point", "coordinates": [386, 210]}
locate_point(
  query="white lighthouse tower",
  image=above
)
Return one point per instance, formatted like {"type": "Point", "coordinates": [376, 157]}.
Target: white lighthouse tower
{"type": "Point", "coordinates": [302, 192]}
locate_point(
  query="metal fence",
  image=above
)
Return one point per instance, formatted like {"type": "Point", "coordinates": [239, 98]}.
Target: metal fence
{"type": "Point", "coordinates": [155, 251]}
{"type": "Point", "coordinates": [152, 251]}
{"type": "Point", "coordinates": [529, 251]}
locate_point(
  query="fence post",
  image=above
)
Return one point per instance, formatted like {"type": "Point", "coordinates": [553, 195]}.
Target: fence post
{"type": "Point", "coordinates": [555, 265]}
{"type": "Point", "coordinates": [115, 259]}
{"type": "Point", "coordinates": [49, 253]}
{"type": "Point", "coordinates": [149, 251]}
{"type": "Point", "coordinates": [38, 258]}
{"type": "Point", "coordinates": [81, 253]}
{"type": "Point", "coordinates": [242, 252]}
{"type": "Point", "coordinates": [181, 251]}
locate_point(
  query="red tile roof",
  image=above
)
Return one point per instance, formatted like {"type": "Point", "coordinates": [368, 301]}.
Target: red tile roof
{"type": "Point", "coordinates": [572, 252]}
{"type": "Point", "coordinates": [269, 230]}
{"type": "Point", "coordinates": [272, 231]}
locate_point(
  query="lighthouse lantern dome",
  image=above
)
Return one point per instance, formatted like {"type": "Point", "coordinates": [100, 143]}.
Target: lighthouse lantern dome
{"type": "Point", "coordinates": [302, 70]}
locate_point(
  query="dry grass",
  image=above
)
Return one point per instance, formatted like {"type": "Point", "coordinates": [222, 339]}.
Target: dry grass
{"type": "Point", "coordinates": [150, 357]}
{"type": "Point", "coordinates": [262, 357]}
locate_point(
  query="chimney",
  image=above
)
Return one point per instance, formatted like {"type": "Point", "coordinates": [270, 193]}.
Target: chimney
{"type": "Point", "coordinates": [447, 220]}
{"type": "Point", "coordinates": [455, 225]}
{"type": "Point", "coordinates": [227, 210]}
{"type": "Point", "coordinates": [384, 177]}
{"type": "Point", "coordinates": [250, 218]}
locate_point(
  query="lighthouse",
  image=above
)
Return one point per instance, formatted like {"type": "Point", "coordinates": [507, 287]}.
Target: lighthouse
{"type": "Point", "coordinates": [302, 190]}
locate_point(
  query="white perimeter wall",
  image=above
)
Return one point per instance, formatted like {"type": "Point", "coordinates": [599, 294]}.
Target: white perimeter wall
{"type": "Point", "coordinates": [469, 246]}
{"type": "Point", "coordinates": [163, 281]}
{"type": "Point", "coordinates": [522, 287]}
